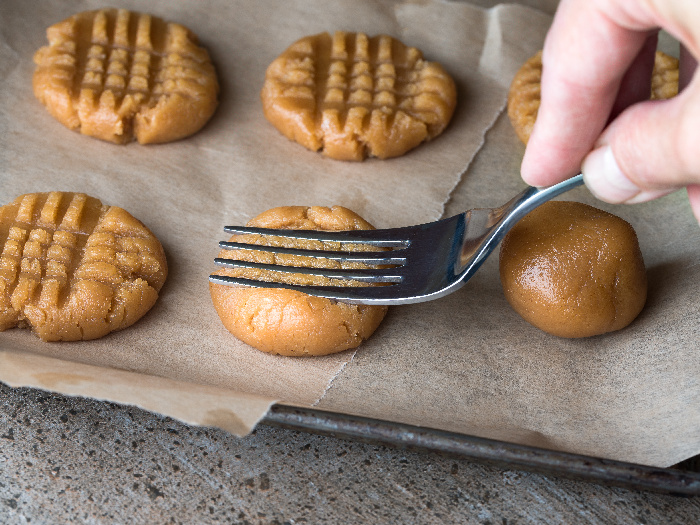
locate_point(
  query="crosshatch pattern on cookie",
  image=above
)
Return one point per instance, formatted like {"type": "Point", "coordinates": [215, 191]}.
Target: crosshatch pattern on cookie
{"type": "Point", "coordinates": [357, 95]}
{"type": "Point", "coordinates": [524, 95]}
{"type": "Point", "coordinates": [61, 252]}
{"type": "Point", "coordinates": [664, 79]}
{"type": "Point", "coordinates": [103, 69]}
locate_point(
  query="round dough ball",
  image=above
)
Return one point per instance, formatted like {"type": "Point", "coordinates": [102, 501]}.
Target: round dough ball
{"type": "Point", "coordinates": [287, 322]}
{"type": "Point", "coordinates": [573, 270]}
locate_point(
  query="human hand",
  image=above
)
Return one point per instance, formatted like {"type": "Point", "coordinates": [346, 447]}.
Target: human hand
{"type": "Point", "coordinates": [595, 115]}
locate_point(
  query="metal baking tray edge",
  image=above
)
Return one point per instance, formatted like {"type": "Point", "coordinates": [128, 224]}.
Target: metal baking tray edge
{"type": "Point", "coordinates": [673, 481]}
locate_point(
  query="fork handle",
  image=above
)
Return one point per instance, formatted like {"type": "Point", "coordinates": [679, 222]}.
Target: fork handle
{"type": "Point", "coordinates": [532, 197]}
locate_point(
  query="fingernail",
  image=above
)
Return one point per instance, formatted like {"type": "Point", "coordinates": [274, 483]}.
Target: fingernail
{"type": "Point", "coordinates": [646, 196]}
{"type": "Point", "coordinates": [604, 178]}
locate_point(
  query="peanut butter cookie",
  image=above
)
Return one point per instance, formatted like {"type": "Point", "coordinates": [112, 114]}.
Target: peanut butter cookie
{"type": "Point", "coordinates": [72, 268]}
{"type": "Point", "coordinates": [524, 93]}
{"type": "Point", "coordinates": [119, 76]}
{"type": "Point", "coordinates": [664, 79]}
{"type": "Point", "coordinates": [352, 96]}
{"type": "Point", "coordinates": [524, 97]}
{"type": "Point", "coordinates": [288, 322]}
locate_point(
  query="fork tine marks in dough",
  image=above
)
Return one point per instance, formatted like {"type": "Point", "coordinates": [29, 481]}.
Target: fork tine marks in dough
{"type": "Point", "coordinates": [352, 96]}
{"type": "Point", "coordinates": [119, 75]}
{"type": "Point", "coordinates": [73, 268]}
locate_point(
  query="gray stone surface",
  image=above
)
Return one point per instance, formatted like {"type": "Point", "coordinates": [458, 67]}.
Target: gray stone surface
{"type": "Point", "coordinates": [72, 460]}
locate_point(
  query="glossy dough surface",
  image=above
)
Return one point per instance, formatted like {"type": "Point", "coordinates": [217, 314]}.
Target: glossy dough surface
{"type": "Point", "coordinates": [288, 322]}
{"type": "Point", "coordinates": [524, 93]}
{"type": "Point", "coordinates": [72, 268]}
{"type": "Point", "coordinates": [121, 76]}
{"type": "Point", "coordinates": [352, 96]}
{"type": "Point", "coordinates": [573, 270]}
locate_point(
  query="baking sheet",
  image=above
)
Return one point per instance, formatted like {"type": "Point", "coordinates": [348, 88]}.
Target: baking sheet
{"type": "Point", "coordinates": [680, 480]}
{"type": "Point", "coordinates": [466, 363]}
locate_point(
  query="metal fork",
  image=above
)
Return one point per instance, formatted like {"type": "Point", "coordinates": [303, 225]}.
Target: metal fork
{"type": "Point", "coordinates": [424, 262]}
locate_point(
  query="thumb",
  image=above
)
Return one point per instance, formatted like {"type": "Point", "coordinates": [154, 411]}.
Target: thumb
{"type": "Point", "coordinates": [651, 149]}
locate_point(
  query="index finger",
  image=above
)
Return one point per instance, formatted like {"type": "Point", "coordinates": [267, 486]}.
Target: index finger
{"type": "Point", "coordinates": [588, 50]}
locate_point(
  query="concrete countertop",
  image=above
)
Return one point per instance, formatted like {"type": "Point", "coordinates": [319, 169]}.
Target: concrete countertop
{"type": "Point", "coordinates": [74, 460]}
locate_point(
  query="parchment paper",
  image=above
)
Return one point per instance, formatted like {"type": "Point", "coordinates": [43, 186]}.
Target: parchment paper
{"type": "Point", "coordinates": [465, 363]}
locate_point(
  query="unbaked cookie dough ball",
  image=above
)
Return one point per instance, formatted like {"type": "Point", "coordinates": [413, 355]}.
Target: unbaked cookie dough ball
{"type": "Point", "coordinates": [288, 322]}
{"type": "Point", "coordinates": [573, 270]}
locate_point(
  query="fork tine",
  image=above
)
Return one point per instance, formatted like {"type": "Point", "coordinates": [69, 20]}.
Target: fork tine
{"type": "Point", "coordinates": [395, 238]}
{"type": "Point", "coordinates": [371, 275]}
{"type": "Point", "coordinates": [356, 294]}
{"type": "Point", "coordinates": [364, 257]}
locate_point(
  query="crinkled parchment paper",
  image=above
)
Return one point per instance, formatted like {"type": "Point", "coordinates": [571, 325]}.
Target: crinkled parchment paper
{"type": "Point", "coordinates": [466, 363]}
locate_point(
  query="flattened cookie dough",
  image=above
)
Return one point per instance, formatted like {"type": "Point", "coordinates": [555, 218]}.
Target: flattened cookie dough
{"type": "Point", "coordinates": [288, 322]}
{"type": "Point", "coordinates": [121, 76]}
{"type": "Point", "coordinates": [524, 93]}
{"type": "Point", "coordinates": [524, 97]}
{"type": "Point", "coordinates": [664, 78]}
{"type": "Point", "coordinates": [351, 96]}
{"type": "Point", "coordinates": [573, 270]}
{"type": "Point", "coordinates": [72, 268]}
